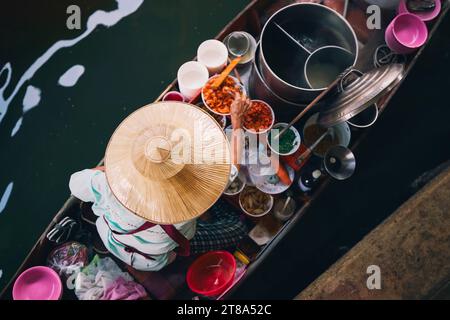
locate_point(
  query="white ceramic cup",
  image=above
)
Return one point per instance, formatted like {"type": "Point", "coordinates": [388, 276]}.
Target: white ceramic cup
{"type": "Point", "coordinates": [213, 54]}
{"type": "Point", "coordinates": [191, 76]}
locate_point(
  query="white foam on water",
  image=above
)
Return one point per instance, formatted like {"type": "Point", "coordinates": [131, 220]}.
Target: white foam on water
{"type": "Point", "coordinates": [71, 76]}
{"type": "Point", "coordinates": [16, 127]}
{"type": "Point", "coordinates": [1, 273]}
{"type": "Point", "coordinates": [31, 99]}
{"type": "Point", "coordinates": [99, 17]}
{"type": "Point", "coordinates": [5, 196]}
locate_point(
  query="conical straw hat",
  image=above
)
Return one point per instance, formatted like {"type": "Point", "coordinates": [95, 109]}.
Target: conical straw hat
{"type": "Point", "coordinates": [168, 162]}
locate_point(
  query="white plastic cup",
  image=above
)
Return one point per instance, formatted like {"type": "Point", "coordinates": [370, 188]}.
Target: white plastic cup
{"type": "Point", "coordinates": [213, 54]}
{"type": "Point", "coordinates": [192, 76]}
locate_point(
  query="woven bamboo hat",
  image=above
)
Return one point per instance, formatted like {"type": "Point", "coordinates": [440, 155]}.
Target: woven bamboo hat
{"type": "Point", "coordinates": [168, 162]}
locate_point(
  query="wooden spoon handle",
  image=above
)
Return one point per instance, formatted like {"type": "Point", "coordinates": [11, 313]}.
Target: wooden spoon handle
{"type": "Point", "coordinates": [306, 154]}
{"type": "Point", "coordinates": [226, 72]}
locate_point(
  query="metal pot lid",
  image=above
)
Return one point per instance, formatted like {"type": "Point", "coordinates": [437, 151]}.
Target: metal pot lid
{"type": "Point", "coordinates": [361, 94]}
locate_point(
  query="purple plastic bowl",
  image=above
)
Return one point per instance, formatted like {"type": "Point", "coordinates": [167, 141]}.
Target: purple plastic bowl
{"type": "Point", "coordinates": [424, 16]}
{"type": "Point", "coordinates": [38, 283]}
{"type": "Point", "coordinates": [406, 33]}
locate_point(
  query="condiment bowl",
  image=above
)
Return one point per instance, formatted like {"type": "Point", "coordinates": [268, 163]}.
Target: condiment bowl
{"type": "Point", "coordinates": [296, 144]}
{"type": "Point", "coordinates": [241, 176]}
{"type": "Point", "coordinates": [236, 81]}
{"type": "Point", "coordinates": [271, 124]}
{"type": "Point", "coordinates": [269, 207]}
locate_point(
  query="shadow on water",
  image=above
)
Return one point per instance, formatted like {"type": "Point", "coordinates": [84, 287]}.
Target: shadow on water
{"type": "Point", "coordinates": [126, 66]}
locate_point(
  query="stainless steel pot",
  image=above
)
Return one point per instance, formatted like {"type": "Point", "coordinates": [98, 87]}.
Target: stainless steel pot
{"type": "Point", "coordinates": [282, 60]}
{"type": "Point", "coordinates": [258, 89]}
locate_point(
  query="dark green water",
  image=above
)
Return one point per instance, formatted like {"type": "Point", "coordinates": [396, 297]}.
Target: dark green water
{"type": "Point", "coordinates": [126, 66]}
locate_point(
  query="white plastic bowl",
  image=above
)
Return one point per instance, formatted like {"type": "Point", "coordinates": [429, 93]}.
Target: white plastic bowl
{"type": "Point", "coordinates": [271, 202]}
{"type": "Point", "coordinates": [297, 141]}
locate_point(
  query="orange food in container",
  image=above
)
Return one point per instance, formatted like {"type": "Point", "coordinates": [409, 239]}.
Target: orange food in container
{"type": "Point", "coordinates": [219, 100]}
{"type": "Point", "coordinates": [259, 117]}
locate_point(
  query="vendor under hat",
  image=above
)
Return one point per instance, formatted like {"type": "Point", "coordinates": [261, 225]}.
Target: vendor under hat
{"type": "Point", "coordinates": [148, 203]}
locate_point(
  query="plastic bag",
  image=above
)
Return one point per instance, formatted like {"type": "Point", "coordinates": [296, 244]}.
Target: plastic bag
{"type": "Point", "coordinates": [68, 258]}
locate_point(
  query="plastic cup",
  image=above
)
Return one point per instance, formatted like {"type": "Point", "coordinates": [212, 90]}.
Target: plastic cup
{"type": "Point", "coordinates": [192, 76]}
{"type": "Point", "coordinates": [213, 54]}
{"type": "Point", "coordinates": [406, 33]}
{"type": "Point", "coordinates": [282, 211]}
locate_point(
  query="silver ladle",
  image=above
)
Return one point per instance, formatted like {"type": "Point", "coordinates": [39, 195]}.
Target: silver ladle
{"type": "Point", "coordinates": [328, 55]}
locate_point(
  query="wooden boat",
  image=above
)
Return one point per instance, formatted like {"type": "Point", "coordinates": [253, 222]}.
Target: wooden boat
{"type": "Point", "coordinates": [251, 19]}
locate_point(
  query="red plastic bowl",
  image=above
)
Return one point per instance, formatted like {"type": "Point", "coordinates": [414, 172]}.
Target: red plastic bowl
{"type": "Point", "coordinates": [212, 273]}
{"type": "Point", "coordinates": [38, 283]}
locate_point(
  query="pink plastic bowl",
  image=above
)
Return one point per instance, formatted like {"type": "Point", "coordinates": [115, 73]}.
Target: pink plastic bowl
{"type": "Point", "coordinates": [173, 96]}
{"type": "Point", "coordinates": [38, 283]}
{"type": "Point", "coordinates": [424, 16]}
{"type": "Point", "coordinates": [406, 33]}
{"type": "Point", "coordinates": [212, 273]}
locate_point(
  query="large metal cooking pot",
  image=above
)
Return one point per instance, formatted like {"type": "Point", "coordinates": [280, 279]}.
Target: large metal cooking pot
{"type": "Point", "coordinates": [258, 89]}
{"type": "Point", "coordinates": [282, 61]}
